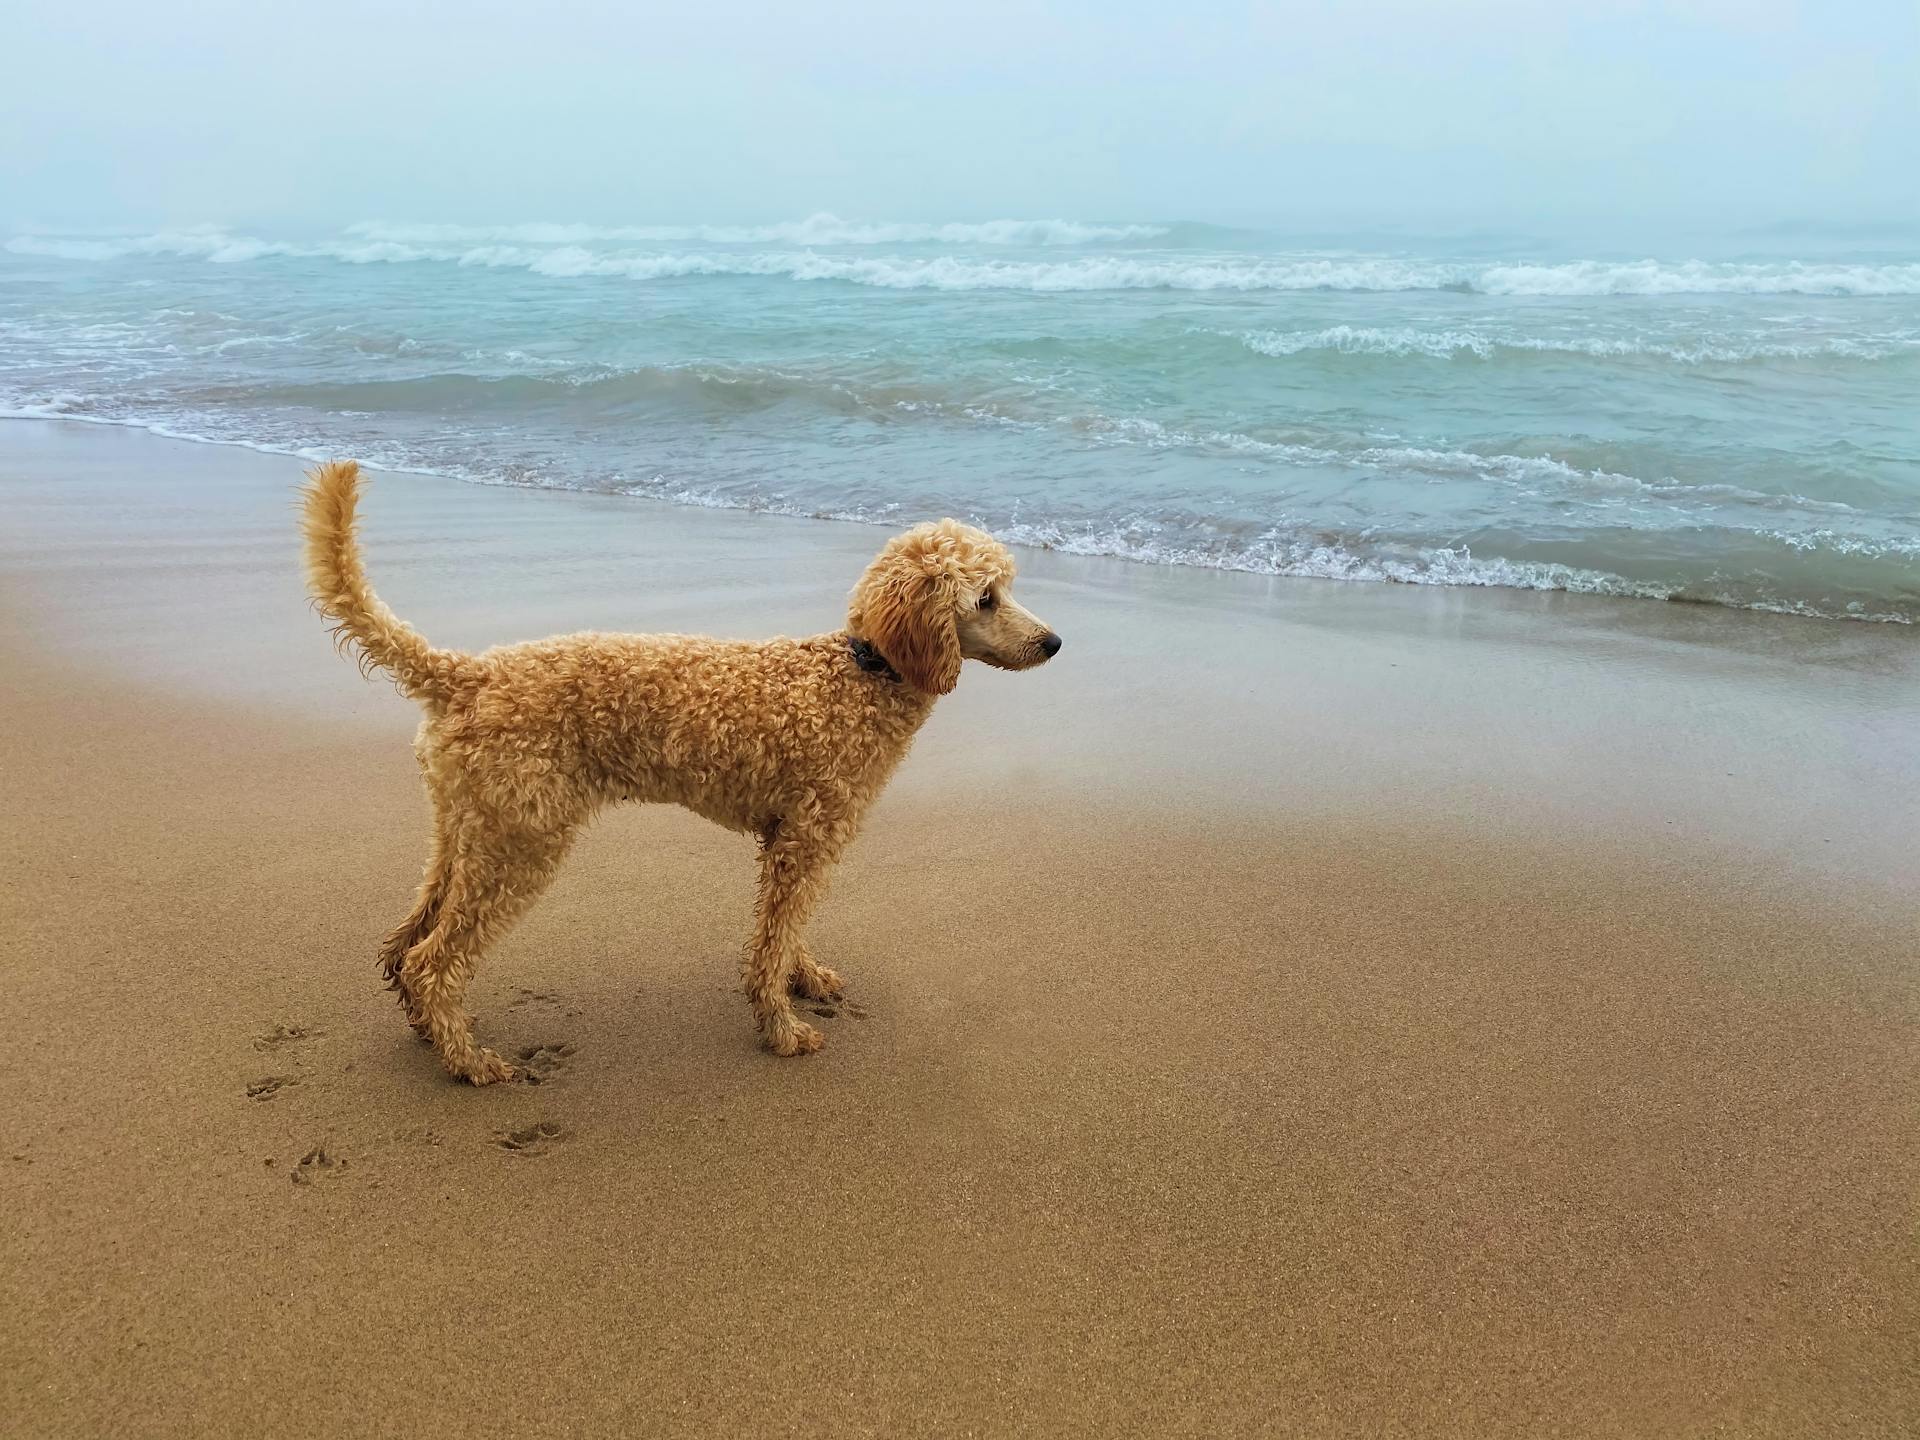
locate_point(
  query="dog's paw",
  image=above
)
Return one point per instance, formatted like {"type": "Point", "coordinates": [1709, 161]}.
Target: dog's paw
{"type": "Point", "coordinates": [488, 1069]}
{"type": "Point", "coordinates": [818, 983]}
{"type": "Point", "coordinates": [795, 1038]}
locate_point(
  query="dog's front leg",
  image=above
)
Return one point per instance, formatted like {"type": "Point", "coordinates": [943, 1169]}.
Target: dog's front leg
{"type": "Point", "coordinates": [809, 979]}
{"type": "Point", "coordinates": [793, 875]}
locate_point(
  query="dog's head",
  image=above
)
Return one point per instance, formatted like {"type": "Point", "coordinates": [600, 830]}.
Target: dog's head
{"type": "Point", "coordinates": [939, 594]}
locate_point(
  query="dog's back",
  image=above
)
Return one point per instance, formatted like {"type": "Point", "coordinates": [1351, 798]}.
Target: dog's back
{"type": "Point", "coordinates": [734, 730]}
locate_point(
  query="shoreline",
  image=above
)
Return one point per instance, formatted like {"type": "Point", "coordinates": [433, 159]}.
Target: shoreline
{"type": "Point", "coordinates": [1298, 697]}
{"type": "Point", "coordinates": [1637, 592]}
{"type": "Point", "coordinates": [1297, 1009]}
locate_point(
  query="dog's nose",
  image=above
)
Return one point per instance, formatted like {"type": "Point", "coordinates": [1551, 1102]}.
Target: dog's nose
{"type": "Point", "coordinates": [1050, 646]}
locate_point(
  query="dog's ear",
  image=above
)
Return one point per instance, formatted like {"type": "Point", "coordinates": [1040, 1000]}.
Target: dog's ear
{"type": "Point", "coordinates": [908, 615]}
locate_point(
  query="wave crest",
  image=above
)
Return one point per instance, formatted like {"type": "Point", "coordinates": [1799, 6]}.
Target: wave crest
{"type": "Point", "coordinates": [1401, 342]}
{"type": "Point", "coordinates": [560, 252]}
{"type": "Point", "coordinates": [820, 229]}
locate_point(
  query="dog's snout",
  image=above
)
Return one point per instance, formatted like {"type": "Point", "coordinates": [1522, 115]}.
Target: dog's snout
{"type": "Point", "coordinates": [1050, 646]}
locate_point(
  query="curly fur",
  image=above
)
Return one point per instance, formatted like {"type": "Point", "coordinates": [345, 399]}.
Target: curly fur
{"type": "Point", "coordinates": [787, 740]}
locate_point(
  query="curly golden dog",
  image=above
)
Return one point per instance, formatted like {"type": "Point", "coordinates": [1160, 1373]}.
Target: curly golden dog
{"type": "Point", "coordinates": [787, 740]}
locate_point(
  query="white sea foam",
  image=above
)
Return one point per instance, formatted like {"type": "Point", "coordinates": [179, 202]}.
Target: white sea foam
{"type": "Point", "coordinates": [1323, 558]}
{"type": "Point", "coordinates": [1697, 277]}
{"type": "Point", "coordinates": [51, 407]}
{"type": "Point", "coordinates": [1839, 543]}
{"type": "Point", "coordinates": [1369, 340]}
{"type": "Point", "coordinates": [579, 257]}
{"type": "Point", "coordinates": [967, 273]}
{"type": "Point", "coordinates": [1485, 345]}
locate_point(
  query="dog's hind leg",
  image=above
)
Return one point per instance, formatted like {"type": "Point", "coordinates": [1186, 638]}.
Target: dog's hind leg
{"type": "Point", "coordinates": [433, 885]}
{"type": "Point", "coordinates": [491, 882]}
{"type": "Point", "coordinates": [418, 925]}
{"type": "Point", "coordinates": [793, 876]}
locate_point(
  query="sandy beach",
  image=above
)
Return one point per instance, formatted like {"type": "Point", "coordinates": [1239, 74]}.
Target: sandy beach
{"type": "Point", "coordinates": [1302, 1008]}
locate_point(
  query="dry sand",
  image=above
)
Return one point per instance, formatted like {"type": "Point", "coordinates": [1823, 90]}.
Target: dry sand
{"type": "Point", "coordinates": [1301, 1008]}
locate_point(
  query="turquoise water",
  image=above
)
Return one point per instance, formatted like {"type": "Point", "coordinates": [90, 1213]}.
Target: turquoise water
{"type": "Point", "coordinates": [1737, 426]}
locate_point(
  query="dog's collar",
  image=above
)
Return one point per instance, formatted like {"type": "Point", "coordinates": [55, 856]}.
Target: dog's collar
{"type": "Point", "coordinates": [869, 659]}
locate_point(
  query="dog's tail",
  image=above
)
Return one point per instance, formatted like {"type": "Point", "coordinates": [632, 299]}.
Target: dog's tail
{"type": "Point", "coordinates": [354, 613]}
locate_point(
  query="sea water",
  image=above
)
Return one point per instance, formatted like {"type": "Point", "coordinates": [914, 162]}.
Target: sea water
{"type": "Point", "coordinates": [1735, 423]}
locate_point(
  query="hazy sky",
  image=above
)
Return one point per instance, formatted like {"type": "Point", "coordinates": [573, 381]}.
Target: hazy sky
{"type": "Point", "coordinates": [1504, 113]}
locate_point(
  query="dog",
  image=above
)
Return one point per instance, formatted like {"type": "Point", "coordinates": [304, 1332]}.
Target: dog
{"type": "Point", "coordinates": [789, 741]}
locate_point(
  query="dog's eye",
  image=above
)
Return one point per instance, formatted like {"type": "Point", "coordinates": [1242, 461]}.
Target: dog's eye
{"type": "Point", "coordinates": [987, 602]}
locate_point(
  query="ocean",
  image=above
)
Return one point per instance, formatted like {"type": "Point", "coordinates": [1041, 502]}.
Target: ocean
{"type": "Point", "coordinates": [1735, 425]}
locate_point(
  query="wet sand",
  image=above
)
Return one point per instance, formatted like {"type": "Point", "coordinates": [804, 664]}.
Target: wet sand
{"type": "Point", "coordinates": [1301, 1008]}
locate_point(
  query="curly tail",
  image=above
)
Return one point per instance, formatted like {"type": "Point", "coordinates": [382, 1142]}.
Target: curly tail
{"type": "Point", "coordinates": [354, 613]}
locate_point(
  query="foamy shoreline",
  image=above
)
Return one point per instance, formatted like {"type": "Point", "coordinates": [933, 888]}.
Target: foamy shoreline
{"type": "Point", "coordinates": [1296, 558]}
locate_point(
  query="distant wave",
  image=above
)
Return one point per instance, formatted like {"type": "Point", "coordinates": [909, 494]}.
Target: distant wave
{"type": "Point", "coordinates": [1229, 273]}
{"type": "Point", "coordinates": [820, 229]}
{"type": "Point", "coordinates": [1482, 345]}
{"type": "Point", "coordinates": [382, 242]}
{"type": "Point", "coordinates": [217, 246]}
{"type": "Point", "coordinates": [1197, 272]}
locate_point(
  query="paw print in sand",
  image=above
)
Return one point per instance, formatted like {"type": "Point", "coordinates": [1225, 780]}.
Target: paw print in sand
{"type": "Point", "coordinates": [318, 1164]}
{"type": "Point", "coordinates": [833, 1009]}
{"type": "Point", "coordinates": [283, 1035]}
{"type": "Point", "coordinates": [534, 1139]}
{"type": "Point", "coordinates": [541, 1063]}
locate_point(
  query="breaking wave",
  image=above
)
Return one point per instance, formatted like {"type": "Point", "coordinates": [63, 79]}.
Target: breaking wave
{"type": "Point", "coordinates": [1484, 345]}
{"type": "Point", "coordinates": [821, 229]}
{"type": "Point", "coordinates": [561, 253]}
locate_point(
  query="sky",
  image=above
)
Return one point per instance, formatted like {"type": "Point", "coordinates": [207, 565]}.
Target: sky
{"type": "Point", "coordinates": [1503, 114]}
